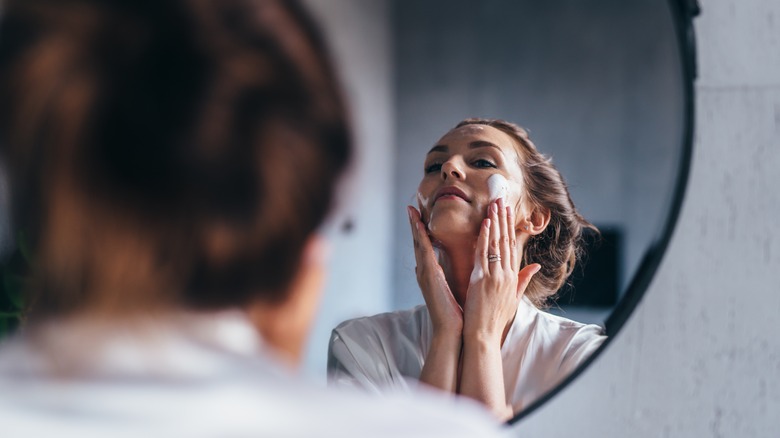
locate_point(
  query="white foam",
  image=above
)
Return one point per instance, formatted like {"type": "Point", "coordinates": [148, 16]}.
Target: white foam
{"type": "Point", "coordinates": [498, 187]}
{"type": "Point", "coordinates": [422, 201]}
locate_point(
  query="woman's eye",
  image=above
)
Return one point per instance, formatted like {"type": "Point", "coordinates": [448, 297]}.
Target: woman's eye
{"type": "Point", "coordinates": [483, 163]}
{"type": "Point", "coordinates": [435, 167]}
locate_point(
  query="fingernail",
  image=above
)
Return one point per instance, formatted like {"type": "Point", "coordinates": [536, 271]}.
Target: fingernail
{"type": "Point", "coordinates": [487, 222]}
{"type": "Point", "coordinates": [537, 268]}
{"type": "Point", "coordinates": [494, 208]}
{"type": "Point", "coordinates": [500, 202]}
{"type": "Point", "coordinates": [409, 211]}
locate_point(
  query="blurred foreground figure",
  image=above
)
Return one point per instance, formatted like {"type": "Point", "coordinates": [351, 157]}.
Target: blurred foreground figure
{"type": "Point", "coordinates": [173, 163]}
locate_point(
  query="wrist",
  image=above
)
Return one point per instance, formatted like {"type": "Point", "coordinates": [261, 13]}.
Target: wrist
{"type": "Point", "coordinates": [448, 336]}
{"type": "Point", "coordinates": [451, 327]}
{"type": "Point", "coordinates": [482, 335]}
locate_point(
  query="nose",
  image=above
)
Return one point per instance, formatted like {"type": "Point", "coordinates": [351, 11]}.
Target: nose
{"type": "Point", "coordinates": [451, 169]}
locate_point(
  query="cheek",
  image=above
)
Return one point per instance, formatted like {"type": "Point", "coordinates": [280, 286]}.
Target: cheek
{"type": "Point", "coordinates": [510, 190]}
{"type": "Point", "coordinates": [498, 187]}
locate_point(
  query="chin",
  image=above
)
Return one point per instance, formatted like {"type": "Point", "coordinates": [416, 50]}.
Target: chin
{"type": "Point", "coordinates": [445, 231]}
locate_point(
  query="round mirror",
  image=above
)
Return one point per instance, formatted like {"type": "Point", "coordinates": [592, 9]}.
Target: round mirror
{"type": "Point", "coordinates": [604, 87]}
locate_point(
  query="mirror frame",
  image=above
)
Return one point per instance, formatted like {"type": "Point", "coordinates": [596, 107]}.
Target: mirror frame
{"type": "Point", "coordinates": [682, 13]}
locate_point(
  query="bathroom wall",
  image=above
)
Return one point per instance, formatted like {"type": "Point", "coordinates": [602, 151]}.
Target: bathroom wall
{"type": "Point", "coordinates": [701, 355]}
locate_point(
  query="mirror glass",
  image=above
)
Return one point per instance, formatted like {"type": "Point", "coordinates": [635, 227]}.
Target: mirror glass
{"type": "Point", "coordinates": [599, 86]}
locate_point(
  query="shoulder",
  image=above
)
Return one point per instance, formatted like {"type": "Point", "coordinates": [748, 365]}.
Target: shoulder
{"type": "Point", "coordinates": [573, 340]}
{"type": "Point", "coordinates": [264, 404]}
{"type": "Point", "coordinates": [569, 326]}
{"type": "Point", "coordinates": [402, 323]}
{"type": "Point", "coordinates": [379, 351]}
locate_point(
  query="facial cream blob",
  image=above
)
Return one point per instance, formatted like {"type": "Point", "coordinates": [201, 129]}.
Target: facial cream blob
{"type": "Point", "coordinates": [498, 187]}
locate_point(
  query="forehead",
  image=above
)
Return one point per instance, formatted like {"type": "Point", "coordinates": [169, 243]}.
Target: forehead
{"type": "Point", "coordinates": [470, 133]}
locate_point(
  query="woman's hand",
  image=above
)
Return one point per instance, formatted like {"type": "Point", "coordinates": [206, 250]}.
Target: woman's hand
{"type": "Point", "coordinates": [440, 369]}
{"type": "Point", "coordinates": [446, 314]}
{"type": "Point", "coordinates": [497, 284]}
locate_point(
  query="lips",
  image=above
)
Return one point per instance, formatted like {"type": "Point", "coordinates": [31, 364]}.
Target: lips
{"type": "Point", "coordinates": [451, 191]}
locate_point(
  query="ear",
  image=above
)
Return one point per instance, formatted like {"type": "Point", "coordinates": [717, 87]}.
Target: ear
{"type": "Point", "coordinates": [286, 325]}
{"type": "Point", "coordinates": [536, 222]}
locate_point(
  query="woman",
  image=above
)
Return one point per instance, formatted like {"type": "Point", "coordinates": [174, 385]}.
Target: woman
{"type": "Point", "coordinates": [173, 163]}
{"type": "Point", "coordinates": [508, 236]}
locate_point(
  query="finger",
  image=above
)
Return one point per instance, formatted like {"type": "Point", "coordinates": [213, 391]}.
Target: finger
{"type": "Point", "coordinates": [424, 248]}
{"type": "Point", "coordinates": [481, 256]}
{"type": "Point", "coordinates": [417, 236]}
{"type": "Point", "coordinates": [524, 277]}
{"type": "Point", "coordinates": [506, 258]}
{"type": "Point", "coordinates": [411, 212]}
{"type": "Point", "coordinates": [513, 250]}
{"type": "Point", "coordinates": [495, 234]}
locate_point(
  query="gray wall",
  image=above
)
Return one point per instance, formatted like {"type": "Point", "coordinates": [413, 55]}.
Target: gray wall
{"type": "Point", "coordinates": [701, 356]}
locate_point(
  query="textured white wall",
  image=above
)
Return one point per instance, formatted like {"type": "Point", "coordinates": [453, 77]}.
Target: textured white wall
{"type": "Point", "coordinates": [701, 356]}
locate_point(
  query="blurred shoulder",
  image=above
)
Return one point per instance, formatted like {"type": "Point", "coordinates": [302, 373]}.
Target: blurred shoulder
{"type": "Point", "coordinates": [408, 322]}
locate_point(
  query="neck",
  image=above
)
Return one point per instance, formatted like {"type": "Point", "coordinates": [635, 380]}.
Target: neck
{"type": "Point", "coordinates": [457, 262]}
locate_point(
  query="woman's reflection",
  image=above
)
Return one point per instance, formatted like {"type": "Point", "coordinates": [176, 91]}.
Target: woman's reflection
{"type": "Point", "coordinates": [508, 236]}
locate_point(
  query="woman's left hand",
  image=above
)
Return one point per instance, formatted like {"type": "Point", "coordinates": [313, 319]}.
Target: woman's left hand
{"type": "Point", "coordinates": [497, 284]}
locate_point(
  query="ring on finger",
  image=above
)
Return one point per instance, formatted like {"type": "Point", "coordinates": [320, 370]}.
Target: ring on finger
{"type": "Point", "coordinates": [494, 258]}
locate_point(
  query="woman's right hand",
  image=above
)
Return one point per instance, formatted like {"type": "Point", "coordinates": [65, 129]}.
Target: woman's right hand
{"type": "Point", "coordinates": [446, 314]}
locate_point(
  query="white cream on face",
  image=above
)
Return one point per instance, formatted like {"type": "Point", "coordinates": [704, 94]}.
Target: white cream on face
{"type": "Point", "coordinates": [498, 187]}
{"type": "Point", "coordinates": [422, 202]}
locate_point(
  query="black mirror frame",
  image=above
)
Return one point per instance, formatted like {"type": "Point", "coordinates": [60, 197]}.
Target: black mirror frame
{"type": "Point", "coordinates": [683, 13]}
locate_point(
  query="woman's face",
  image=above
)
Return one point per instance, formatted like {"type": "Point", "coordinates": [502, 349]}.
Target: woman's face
{"type": "Point", "coordinates": [455, 191]}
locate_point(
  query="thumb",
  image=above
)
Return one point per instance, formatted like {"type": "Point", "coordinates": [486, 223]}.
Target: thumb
{"type": "Point", "coordinates": [524, 277]}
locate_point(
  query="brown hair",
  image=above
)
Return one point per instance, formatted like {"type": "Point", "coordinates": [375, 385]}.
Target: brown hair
{"type": "Point", "coordinates": [560, 245]}
{"type": "Point", "coordinates": [167, 152]}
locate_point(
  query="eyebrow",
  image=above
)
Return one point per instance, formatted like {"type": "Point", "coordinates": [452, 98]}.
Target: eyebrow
{"type": "Point", "coordinates": [473, 145]}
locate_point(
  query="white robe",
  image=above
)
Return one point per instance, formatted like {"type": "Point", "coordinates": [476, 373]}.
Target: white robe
{"type": "Point", "coordinates": [387, 351]}
{"type": "Point", "coordinates": [194, 376]}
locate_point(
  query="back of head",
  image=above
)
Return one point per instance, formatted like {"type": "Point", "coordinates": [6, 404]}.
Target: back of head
{"type": "Point", "coordinates": [166, 153]}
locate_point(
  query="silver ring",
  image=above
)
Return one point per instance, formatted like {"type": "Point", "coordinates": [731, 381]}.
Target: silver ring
{"type": "Point", "coordinates": [494, 258]}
